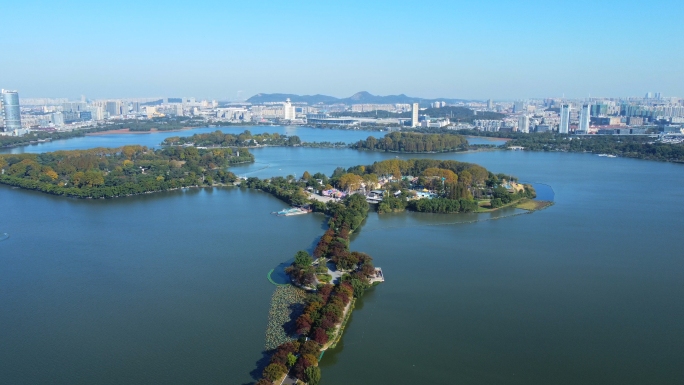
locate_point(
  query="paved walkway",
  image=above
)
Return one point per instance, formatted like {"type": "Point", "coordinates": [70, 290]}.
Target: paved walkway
{"type": "Point", "coordinates": [289, 380]}
{"type": "Point", "coordinates": [332, 270]}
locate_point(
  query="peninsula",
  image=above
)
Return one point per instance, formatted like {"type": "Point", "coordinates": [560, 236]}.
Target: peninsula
{"type": "Point", "coordinates": [334, 276]}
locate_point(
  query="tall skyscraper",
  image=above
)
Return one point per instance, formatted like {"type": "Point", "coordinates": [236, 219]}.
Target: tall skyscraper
{"type": "Point", "coordinates": [58, 119]}
{"type": "Point", "coordinates": [564, 127]}
{"type": "Point", "coordinates": [518, 106]}
{"type": "Point", "coordinates": [584, 118]}
{"type": "Point", "coordinates": [11, 112]}
{"type": "Point", "coordinates": [113, 108]}
{"type": "Point", "coordinates": [414, 115]}
{"type": "Point", "coordinates": [288, 110]}
{"type": "Point", "coordinates": [524, 124]}
{"type": "Point", "coordinates": [490, 104]}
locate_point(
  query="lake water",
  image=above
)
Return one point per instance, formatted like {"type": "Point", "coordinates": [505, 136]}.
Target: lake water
{"type": "Point", "coordinates": [171, 288]}
{"type": "Point", "coordinates": [154, 139]}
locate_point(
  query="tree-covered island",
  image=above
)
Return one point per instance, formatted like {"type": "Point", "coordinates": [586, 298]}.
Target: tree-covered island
{"type": "Point", "coordinates": [114, 172]}
{"type": "Point", "coordinates": [219, 139]}
{"type": "Point", "coordinates": [422, 185]}
{"type": "Point", "coordinates": [414, 142]}
{"type": "Point", "coordinates": [243, 139]}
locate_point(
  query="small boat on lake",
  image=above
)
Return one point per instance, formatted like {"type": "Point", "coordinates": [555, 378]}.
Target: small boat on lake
{"type": "Point", "coordinates": [292, 211]}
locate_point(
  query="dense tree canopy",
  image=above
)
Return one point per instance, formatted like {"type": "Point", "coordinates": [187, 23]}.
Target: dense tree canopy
{"type": "Point", "coordinates": [640, 147]}
{"type": "Point", "coordinates": [112, 172]}
{"type": "Point", "coordinates": [244, 139]}
{"type": "Point", "coordinates": [414, 142]}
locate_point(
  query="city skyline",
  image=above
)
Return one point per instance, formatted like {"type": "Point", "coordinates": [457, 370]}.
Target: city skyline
{"type": "Point", "coordinates": [489, 50]}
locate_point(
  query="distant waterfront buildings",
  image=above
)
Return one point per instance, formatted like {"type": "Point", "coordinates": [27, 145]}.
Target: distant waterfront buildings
{"type": "Point", "coordinates": [564, 127]}
{"type": "Point", "coordinates": [11, 112]}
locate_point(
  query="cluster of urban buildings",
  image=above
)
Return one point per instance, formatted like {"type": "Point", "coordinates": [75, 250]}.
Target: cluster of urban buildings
{"type": "Point", "coordinates": [630, 116]}
{"type": "Point", "coordinates": [590, 116]}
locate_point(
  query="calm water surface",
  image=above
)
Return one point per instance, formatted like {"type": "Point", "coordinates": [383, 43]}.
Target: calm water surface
{"type": "Point", "coordinates": [171, 288]}
{"type": "Point", "coordinates": [154, 139]}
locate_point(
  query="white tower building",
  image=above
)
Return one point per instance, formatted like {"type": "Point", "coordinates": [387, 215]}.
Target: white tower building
{"type": "Point", "coordinates": [288, 110]}
{"type": "Point", "coordinates": [564, 127]}
{"type": "Point", "coordinates": [524, 124]}
{"type": "Point", "coordinates": [584, 118]}
{"type": "Point", "coordinates": [414, 115]}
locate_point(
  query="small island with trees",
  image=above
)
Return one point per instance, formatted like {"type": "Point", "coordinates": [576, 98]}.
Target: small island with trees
{"type": "Point", "coordinates": [414, 142]}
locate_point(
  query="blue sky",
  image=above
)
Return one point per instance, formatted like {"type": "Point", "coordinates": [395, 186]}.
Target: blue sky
{"type": "Point", "coordinates": [461, 49]}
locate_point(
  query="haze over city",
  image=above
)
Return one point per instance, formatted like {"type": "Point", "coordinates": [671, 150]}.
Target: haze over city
{"type": "Point", "coordinates": [434, 49]}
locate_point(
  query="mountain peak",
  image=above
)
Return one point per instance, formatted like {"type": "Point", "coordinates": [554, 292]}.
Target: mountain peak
{"type": "Point", "coordinates": [361, 95]}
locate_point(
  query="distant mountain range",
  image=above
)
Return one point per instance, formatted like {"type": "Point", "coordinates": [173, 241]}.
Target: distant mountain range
{"type": "Point", "coordinates": [358, 98]}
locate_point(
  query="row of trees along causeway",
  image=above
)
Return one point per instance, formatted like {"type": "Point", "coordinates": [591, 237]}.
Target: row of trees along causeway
{"type": "Point", "coordinates": [414, 142]}
{"type": "Point", "coordinates": [114, 172]}
{"type": "Point", "coordinates": [640, 147]}
{"type": "Point", "coordinates": [326, 305]}
{"type": "Point", "coordinates": [244, 139]}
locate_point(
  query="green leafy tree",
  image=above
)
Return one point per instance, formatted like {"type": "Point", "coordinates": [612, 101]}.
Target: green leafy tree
{"type": "Point", "coordinates": [313, 375]}
{"type": "Point", "coordinates": [302, 259]}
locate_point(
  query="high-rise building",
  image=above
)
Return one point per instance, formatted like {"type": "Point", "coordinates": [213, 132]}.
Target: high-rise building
{"type": "Point", "coordinates": [58, 119]}
{"type": "Point", "coordinates": [414, 115]}
{"type": "Point", "coordinates": [97, 112]}
{"type": "Point", "coordinates": [11, 112]}
{"type": "Point", "coordinates": [518, 106]}
{"type": "Point", "coordinates": [584, 118]}
{"type": "Point", "coordinates": [599, 110]}
{"type": "Point", "coordinates": [490, 104]}
{"type": "Point", "coordinates": [113, 108]}
{"type": "Point", "coordinates": [564, 127]}
{"type": "Point", "coordinates": [288, 110]}
{"type": "Point", "coordinates": [524, 124]}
